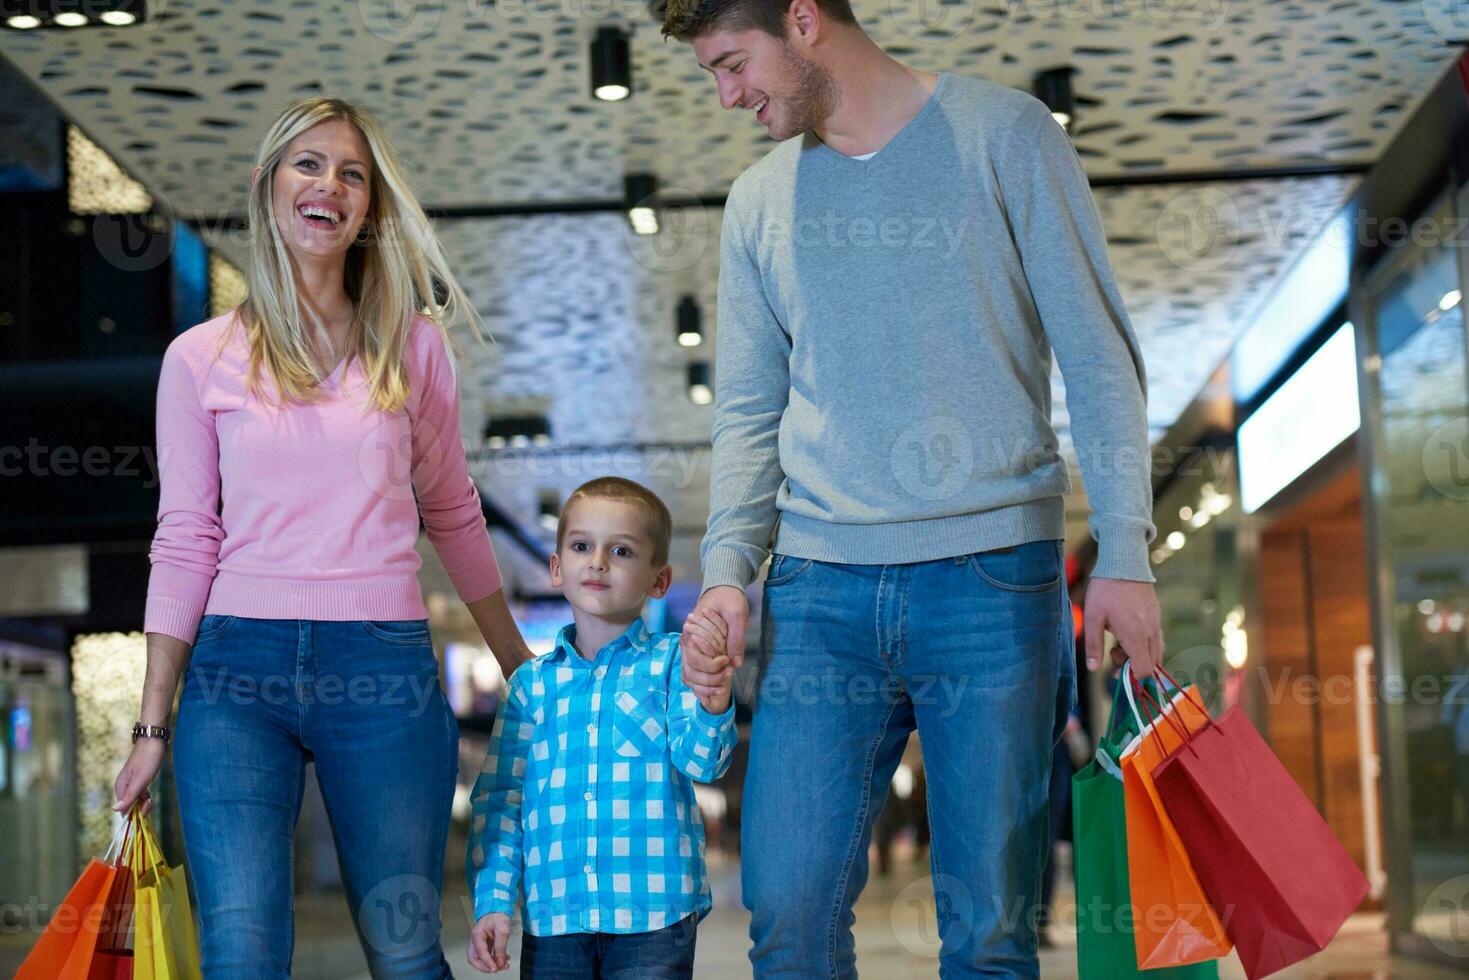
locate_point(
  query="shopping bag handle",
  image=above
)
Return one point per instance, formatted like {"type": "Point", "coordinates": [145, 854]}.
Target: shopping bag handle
{"type": "Point", "coordinates": [1192, 696]}
{"type": "Point", "coordinates": [118, 836]}
{"type": "Point", "coordinates": [1129, 681]}
{"type": "Point", "coordinates": [1172, 717]}
{"type": "Point", "coordinates": [1108, 752]}
{"type": "Point", "coordinates": [146, 854]}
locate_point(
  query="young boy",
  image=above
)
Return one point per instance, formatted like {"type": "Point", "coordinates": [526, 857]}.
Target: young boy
{"type": "Point", "coordinates": [584, 802]}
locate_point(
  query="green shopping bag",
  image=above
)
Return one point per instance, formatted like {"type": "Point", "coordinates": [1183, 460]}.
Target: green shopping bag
{"type": "Point", "coordinates": [1104, 912]}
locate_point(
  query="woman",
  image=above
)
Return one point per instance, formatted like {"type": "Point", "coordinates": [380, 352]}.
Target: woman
{"type": "Point", "coordinates": [318, 411]}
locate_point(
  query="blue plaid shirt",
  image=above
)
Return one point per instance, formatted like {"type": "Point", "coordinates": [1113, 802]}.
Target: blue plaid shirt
{"type": "Point", "coordinates": [585, 800]}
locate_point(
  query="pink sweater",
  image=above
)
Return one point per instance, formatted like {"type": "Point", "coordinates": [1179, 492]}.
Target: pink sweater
{"type": "Point", "coordinates": [319, 518]}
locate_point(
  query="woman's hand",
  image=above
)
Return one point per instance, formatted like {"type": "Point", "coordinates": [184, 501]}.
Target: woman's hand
{"type": "Point", "coordinates": [167, 656]}
{"type": "Point", "coordinates": [138, 774]}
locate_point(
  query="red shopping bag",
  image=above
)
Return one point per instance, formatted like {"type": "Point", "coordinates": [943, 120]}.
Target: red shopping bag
{"type": "Point", "coordinates": [1280, 881]}
{"type": "Point", "coordinates": [113, 959]}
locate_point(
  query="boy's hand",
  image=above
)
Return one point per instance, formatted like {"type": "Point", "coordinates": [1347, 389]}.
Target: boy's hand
{"type": "Point", "coordinates": [487, 943]}
{"type": "Point", "coordinates": [706, 633]}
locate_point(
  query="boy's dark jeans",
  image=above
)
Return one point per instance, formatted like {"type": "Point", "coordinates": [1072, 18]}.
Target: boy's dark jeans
{"type": "Point", "coordinates": [664, 954]}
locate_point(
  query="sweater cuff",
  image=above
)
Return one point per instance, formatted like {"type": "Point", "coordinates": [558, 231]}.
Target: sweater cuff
{"type": "Point", "coordinates": [473, 570]}
{"type": "Point", "coordinates": [726, 566]}
{"type": "Point", "coordinates": [1122, 549]}
{"type": "Point", "coordinates": [178, 618]}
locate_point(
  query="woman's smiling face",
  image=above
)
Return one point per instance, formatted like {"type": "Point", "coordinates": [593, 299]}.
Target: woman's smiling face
{"type": "Point", "coordinates": [323, 190]}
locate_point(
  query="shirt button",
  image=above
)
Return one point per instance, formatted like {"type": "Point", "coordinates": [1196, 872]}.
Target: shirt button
{"type": "Point", "coordinates": [588, 794]}
{"type": "Point", "coordinates": [591, 728]}
{"type": "Point", "coordinates": [587, 869]}
{"type": "Point", "coordinates": [601, 671]}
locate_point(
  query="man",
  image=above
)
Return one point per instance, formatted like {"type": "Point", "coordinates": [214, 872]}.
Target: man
{"type": "Point", "coordinates": [894, 278]}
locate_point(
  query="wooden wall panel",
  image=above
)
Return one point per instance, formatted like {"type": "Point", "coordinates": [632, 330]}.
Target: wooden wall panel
{"type": "Point", "coordinates": [1317, 612]}
{"type": "Point", "coordinates": [1291, 722]}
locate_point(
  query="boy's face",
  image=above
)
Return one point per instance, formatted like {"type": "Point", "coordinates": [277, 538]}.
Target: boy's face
{"type": "Point", "coordinates": [605, 563]}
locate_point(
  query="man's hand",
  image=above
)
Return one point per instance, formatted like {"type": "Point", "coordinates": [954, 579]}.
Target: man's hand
{"type": "Point", "coordinates": [708, 633]}
{"type": "Point", "coordinates": [1130, 611]}
{"type": "Point", "coordinates": [487, 942]}
{"type": "Point", "coordinates": [704, 664]}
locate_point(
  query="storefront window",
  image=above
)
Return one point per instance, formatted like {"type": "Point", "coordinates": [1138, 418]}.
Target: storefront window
{"type": "Point", "coordinates": [1417, 377]}
{"type": "Point", "coordinates": [1194, 561]}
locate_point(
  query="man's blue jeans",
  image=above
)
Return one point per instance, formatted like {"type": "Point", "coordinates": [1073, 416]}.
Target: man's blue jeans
{"type": "Point", "coordinates": [973, 652]}
{"type": "Point", "coordinates": [362, 699]}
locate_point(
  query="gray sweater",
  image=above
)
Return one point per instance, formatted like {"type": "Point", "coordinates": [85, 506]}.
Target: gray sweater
{"type": "Point", "coordinates": [884, 349]}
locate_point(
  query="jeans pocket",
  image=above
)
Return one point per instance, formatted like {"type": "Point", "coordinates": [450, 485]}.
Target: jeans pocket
{"type": "Point", "coordinates": [638, 725]}
{"type": "Point", "coordinates": [409, 632]}
{"type": "Point", "coordinates": [784, 568]}
{"type": "Point", "coordinates": [1032, 567]}
{"type": "Point", "coordinates": [212, 627]}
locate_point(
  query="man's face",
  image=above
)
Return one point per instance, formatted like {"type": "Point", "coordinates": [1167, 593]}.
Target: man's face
{"type": "Point", "coordinates": [789, 93]}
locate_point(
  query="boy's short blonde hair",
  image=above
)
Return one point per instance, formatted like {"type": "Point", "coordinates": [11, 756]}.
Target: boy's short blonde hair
{"type": "Point", "coordinates": [658, 522]}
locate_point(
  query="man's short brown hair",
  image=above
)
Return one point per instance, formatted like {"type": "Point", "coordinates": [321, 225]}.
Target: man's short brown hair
{"type": "Point", "coordinates": [686, 20]}
{"type": "Point", "coordinates": [658, 522]}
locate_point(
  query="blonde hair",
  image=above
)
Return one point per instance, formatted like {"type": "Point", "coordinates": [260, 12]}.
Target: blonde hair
{"type": "Point", "coordinates": [398, 273]}
{"type": "Point", "coordinates": [658, 522]}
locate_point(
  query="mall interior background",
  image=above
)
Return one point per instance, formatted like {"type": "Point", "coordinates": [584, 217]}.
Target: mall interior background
{"type": "Point", "coordinates": [1282, 186]}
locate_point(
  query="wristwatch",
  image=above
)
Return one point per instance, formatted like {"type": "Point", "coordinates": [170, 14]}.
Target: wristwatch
{"type": "Point", "coordinates": [141, 730]}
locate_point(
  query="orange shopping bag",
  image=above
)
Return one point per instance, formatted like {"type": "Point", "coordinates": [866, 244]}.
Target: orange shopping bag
{"type": "Point", "coordinates": [1174, 923]}
{"type": "Point", "coordinates": [67, 948]}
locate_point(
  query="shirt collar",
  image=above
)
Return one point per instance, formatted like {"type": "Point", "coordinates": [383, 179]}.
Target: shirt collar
{"type": "Point", "coordinates": [636, 635]}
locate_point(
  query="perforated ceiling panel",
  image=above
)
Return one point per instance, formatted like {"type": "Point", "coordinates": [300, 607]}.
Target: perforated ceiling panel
{"type": "Point", "coordinates": [489, 101]}
{"type": "Point", "coordinates": [488, 104]}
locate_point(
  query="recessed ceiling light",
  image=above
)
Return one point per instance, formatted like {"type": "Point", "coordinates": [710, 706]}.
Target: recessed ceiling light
{"type": "Point", "coordinates": [638, 191]}
{"type": "Point", "coordinates": [1053, 87]}
{"type": "Point", "coordinates": [689, 327]}
{"type": "Point", "coordinates": [700, 392]}
{"type": "Point", "coordinates": [611, 65]}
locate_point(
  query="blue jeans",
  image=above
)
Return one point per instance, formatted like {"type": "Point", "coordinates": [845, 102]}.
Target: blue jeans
{"type": "Point", "coordinates": [664, 954]}
{"type": "Point", "coordinates": [973, 652]}
{"type": "Point", "coordinates": [262, 698]}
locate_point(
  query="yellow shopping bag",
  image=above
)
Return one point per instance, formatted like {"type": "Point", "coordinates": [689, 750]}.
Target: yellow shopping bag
{"type": "Point", "coordinates": [164, 943]}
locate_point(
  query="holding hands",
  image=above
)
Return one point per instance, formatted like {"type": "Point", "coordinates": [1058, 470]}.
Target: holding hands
{"type": "Point", "coordinates": [713, 644]}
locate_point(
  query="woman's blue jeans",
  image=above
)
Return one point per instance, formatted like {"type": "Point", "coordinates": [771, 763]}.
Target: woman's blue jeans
{"type": "Point", "coordinates": [976, 654]}
{"type": "Point", "coordinates": [360, 699]}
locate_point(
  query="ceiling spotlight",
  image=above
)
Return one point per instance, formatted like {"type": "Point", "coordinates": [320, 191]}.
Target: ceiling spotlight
{"type": "Point", "coordinates": [517, 431]}
{"type": "Point", "coordinates": [699, 391]}
{"type": "Point", "coordinates": [1053, 87]}
{"type": "Point", "coordinates": [642, 209]}
{"type": "Point", "coordinates": [690, 328]}
{"type": "Point", "coordinates": [611, 65]}
{"type": "Point", "coordinates": [549, 514]}
{"type": "Point", "coordinates": [26, 15]}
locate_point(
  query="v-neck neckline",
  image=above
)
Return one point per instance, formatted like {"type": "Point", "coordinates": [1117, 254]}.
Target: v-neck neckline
{"type": "Point", "coordinates": [334, 378]}
{"type": "Point", "coordinates": [886, 149]}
